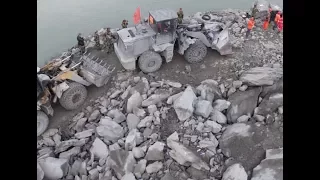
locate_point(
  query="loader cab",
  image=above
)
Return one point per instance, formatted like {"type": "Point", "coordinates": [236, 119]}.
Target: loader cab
{"type": "Point", "coordinates": [164, 23]}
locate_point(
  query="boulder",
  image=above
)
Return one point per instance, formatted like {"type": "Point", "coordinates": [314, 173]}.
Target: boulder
{"type": "Point", "coordinates": [218, 117]}
{"type": "Point", "coordinates": [235, 172]}
{"type": "Point", "coordinates": [151, 109]}
{"type": "Point", "coordinates": [94, 115]}
{"type": "Point", "coordinates": [137, 152]}
{"type": "Point", "coordinates": [159, 96]}
{"type": "Point", "coordinates": [140, 167]}
{"type": "Point", "coordinates": [84, 134]}
{"type": "Point", "coordinates": [183, 106]}
{"type": "Point", "coordinates": [172, 98]}
{"type": "Point", "coordinates": [144, 122]}
{"type": "Point", "coordinates": [80, 124]}
{"type": "Point", "coordinates": [134, 102]}
{"type": "Point", "coordinates": [261, 76]}
{"type": "Point", "coordinates": [203, 108]}
{"type": "Point", "coordinates": [271, 167]}
{"type": "Point", "coordinates": [132, 121]}
{"type": "Point", "coordinates": [54, 168]}
{"type": "Point", "coordinates": [237, 84]}
{"type": "Point", "coordinates": [155, 151]}
{"type": "Point", "coordinates": [50, 132]}
{"type": "Point", "coordinates": [122, 162]}
{"type": "Point", "coordinates": [215, 127]}
{"type": "Point", "coordinates": [183, 155]}
{"type": "Point", "coordinates": [209, 86]}
{"type": "Point", "coordinates": [242, 103]}
{"type": "Point", "coordinates": [270, 104]}
{"type": "Point", "coordinates": [154, 167]}
{"type": "Point", "coordinates": [131, 139]}
{"type": "Point", "coordinates": [243, 118]}
{"type": "Point", "coordinates": [275, 88]}
{"type": "Point", "coordinates": [221, 104]}
{"type": "Point", "coordinates": [128, 176]}
{"type": "Point", "coordinates": [40, 173]}
{"type": "Point", "coordinates": [116, 115]}
{"type": "Point", "coordinates": [99, 149]}
{"type": "Point", "coordinates": [247, 142]}
{"type": "Point", "coordinates": [110, 130]}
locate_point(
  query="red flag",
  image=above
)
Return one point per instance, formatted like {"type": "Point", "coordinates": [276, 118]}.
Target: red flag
{"type": "Point", "coordinates": [136, 16]}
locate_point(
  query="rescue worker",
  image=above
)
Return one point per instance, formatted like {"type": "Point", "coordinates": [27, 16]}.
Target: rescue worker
{"type": "Point", "coordinates": [81, 45]}
{"type": "Point", "coordinates": [266, 24]}
{"type": "Point", "coordinates": [250, 26]}
{"type": "Point", "coordinates": [254, 9]}
{"type": "Point", "coordinates": [180, 15]}
{"type": "Point", "coordinates": [276, 19]}
{"type": "Point", "coordinates": [109, 41]}
{"type": "Point", "coordinates": [124, 23]}
{"type": "Point", "coordinates": [97, 39]}
{"type": "Point", "coordinates": [280, 24]}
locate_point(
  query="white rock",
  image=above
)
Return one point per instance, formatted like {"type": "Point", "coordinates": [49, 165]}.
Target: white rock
{"type": "Point", "coordinates": [40, 173]}
{"type": "Point", "coordinates": [50, 132]}
{"type": "Point", "coordinates": [115, 94]}
{"type": "Point", "coordinates": [210, 144]}
{"type": "Point", "coordinates": [154, 167]}
{"type": "Point", "coordinates": [128, 176]}
{"type": "Point", "coordinates": [116, 115]}
{"type": "Point", "coordinates": [114, 146]}
{"type": "Point", "coordinates": [172, 98]}
{"type": "Point", "coordinates": [235, 172]}
{"type": "Point", "coordinates": [203, 108]}
{"type": "Point", "coordinates": [174, 84]}
{"type": "Point", "coordinates": [259, 117]}
{"type": "Point", "coordinates": [152, 108]}
{"type": "Point", "coordinates": [231, 91]}
{"type": "Point", "coordinates": [237, 84]}
{"type": "Point", "coordinates": [84, 134]}
{"type": "Point", "coordinates": [139, 112]}
{"type": "Point", "coordinates": [125, 94]}
{"type": "Point", "coordinates": [99, 149]}
{"type": "Point", "coordinates": [200, 126]}
{"type": "Point", "coordinates": [141, 166]}
{"type": "Point", "coordinates": [134, 102]}
{"type": "Point", "coordinates": [132, 121]}
{"type": "Point", "coordinates": [155, 151]}
{"type": "Point", "coordinates": [110, 130]}
{"type": "Point", "coordinates": [131, 139]}
{"type": "Point", "coordinates": [144, 122]}
{"type": "Point", "coordinates": [80, 124]}
{"type": "Point", "coordinates": [243, 88]}
{"type": "Point", "coordinates": [243, 118]}
{"type": "Point", "coordinates": [221, 104]}
{"type": "Point", "coordinates": [215, 127]}
{"type": "Point", "coordinates": [137, 152]}
{"type": "Point", "coordinates": [222, 88]}
{"type": "Point", "coordinates": [183, 106]}
{"type": "Point", "coordinates": [48, 141]}
{"type": "Point", "coordinates": [260, 76]}
{"type": "Point", "coordinates": [156, 98]}
{"type": "Point", "coordinates": [94, 115]}
{"type": "Point", "coordinates": [54, 168]}
{"type": "Point", "coordinates": [136, 79]}
{"type": "Point", "coordinates": [280, 110]}
{"type": "Point", "coordinates": [218, 117]}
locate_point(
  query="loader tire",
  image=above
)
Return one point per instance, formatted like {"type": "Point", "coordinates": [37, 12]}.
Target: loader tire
{"type": "Point", "coordinates": [42, 122]}
{"type": "Point", "coordinates": [150, 61]}
{"type": "Point", "coordinates": [196, 52]}
{"type": "Point", "coordinates": [206, 17]}
{"type": "Point", "coordinates": [73, 97]}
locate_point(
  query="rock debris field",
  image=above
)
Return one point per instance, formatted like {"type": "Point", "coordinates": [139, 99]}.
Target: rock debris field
{"type": "Point", "coordinates": [146, 128]}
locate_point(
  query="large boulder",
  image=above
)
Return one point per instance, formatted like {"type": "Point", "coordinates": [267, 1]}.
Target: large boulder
{"type": "Point", "coordinates": [271, 167]}
{"type": "Point", "coordinates": [247, 142]}
{"type": "Point", "coordinates": [54, 168]}
{"type": "Point", "coordinates": [159, 96]}
{"type": "Point", "coordinates": [261, 76]}
{"type": "Point", "coordinates": [242, 103]}
{"type": "Point", "coordinates": [110, 130]}
{"type": "Point", "coordinates": [235, 172]}
{"type": "Point", "coordinates": [184, 104]}
{"type": "Point", "coordinates": [183, 155]}
{"type": "Point", "coordinates": [270, 104]}
{"type": "Point", "coordinates": [40, 173]}
{"type": "Point", "coordinates": [134, 102]}
{"type": "Point", "coordinates": [275, 88]}
{"type": "Point", "coordinates": [122, 162]}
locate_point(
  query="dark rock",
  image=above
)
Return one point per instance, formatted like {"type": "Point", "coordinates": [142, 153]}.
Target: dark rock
{"type": "Point", "coordinates": [270, 104]}
{"type": "Point", "coordinates": [261, 76]}
{"type": "Point", "coordinates": [275, 88]}
{"type": "Point", "coordinates": [242, 103]}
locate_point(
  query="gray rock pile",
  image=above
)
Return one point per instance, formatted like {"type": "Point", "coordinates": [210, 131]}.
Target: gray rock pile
{"type": "Point", "coordinates": [147, 129]}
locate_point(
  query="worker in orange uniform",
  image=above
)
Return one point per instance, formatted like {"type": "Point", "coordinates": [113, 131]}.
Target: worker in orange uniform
{"type": "Point", "coordinates": [280, 24]}
{"type": "Point", "coordinates": [250, 26]}
{"type": "Point", "coordinates": [266, 24]}
{"type": "Point", "coordinates": [276, 19]}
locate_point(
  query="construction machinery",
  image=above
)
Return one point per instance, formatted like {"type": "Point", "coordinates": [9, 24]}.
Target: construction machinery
{"type": "Point", "coordinates": [155, 39]}
{"type": "Point", "coordinates": [65, 79]}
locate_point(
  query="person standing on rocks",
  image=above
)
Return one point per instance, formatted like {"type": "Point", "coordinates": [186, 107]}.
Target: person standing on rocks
{"type": "Point", "coordinates": [97, 39]}
{"type": "Point", "coordinates": [266, 24]}
{"type": "Point", "coordinates": [276, 19]}
{"type": "Point", "coordinates": [180, 15]}
{"type": "Point", "coordinates": [124, 24]}
{"type": "Point", "coordinates": [250, 26]}
{"type": "Point", "coordinates": [109, 41]}
{"type": "Point", "coordinates": [280, 24]}
{"type": "Point", "coordinates": [81, 45]}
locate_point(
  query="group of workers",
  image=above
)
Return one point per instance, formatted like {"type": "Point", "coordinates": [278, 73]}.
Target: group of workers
{"type": "Point", "coordinates": [275, 18]}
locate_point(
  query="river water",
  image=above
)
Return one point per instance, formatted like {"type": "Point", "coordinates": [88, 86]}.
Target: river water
{"type": "Point", "coordinates": [59, 21]}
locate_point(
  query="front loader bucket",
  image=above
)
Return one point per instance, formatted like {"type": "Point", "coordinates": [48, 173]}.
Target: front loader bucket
{"type": "Point", "coordinates": [223, 45]}
{"type": "Point", "coordinates": [95, 71]}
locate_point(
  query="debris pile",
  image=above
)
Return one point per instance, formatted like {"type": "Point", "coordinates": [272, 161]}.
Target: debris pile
{"type": "Point", "coordinates": [148, 129]}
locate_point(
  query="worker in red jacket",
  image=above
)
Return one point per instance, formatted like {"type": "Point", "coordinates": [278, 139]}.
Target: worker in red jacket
{"type": "Point", "coordinates": [280, 24]}
{"type": "Point", "coordinates": [250, 26]}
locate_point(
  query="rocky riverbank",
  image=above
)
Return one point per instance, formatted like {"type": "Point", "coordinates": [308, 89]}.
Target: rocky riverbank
{"type": "Point", "coordinates": [228, 126]}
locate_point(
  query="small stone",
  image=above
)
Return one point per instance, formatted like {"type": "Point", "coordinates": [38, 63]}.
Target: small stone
{"type": "Point", "coordinates": [221, 104]}
{"type": "Point", "coordinates": [136, 79]}
{"type": "Point", "coordinates": [215, 127]}
{"type": "Point", "coordinates": [49, 133]}
{"type": "Point", "coordinates": [200, 126]}
{"type": "Point", "coordinates": [145, 121]}
{"type": "Point", "coordinates": [69, 153]}
{"type": "Point", "coordinates": [155, 151]}
{"type": "Point", "coordinates": [80, 124]}
{"type": "Point", "coordinates": [280, 110]}
{"type": "Point", "coordinates": [188, 68]}
{"type": "Point", "coordinates": [114, 146]}
{"type": "Point", "coordinates": [84, 134]}
{"type": "Point", "coordinates": [218, 117]}
{"type": "Point", "coordinates": [94, 115]}
{"type": "Point", "coordinates": [194, 138]}
{"type": "Point", "coordinates": [203, 108]}
{"type": "Point", "coordinates": [139, 112]}
{"type": "Point", "coordinates": [243, 87]}
{"type": "Point", "coordinates": [152, 109]}
{"type": "Point", "coordinates": [174, 84]}
{"type": "Point", "coordinates": [110, 130]}
{"type": "Point", "coordinates": [237, 84]}
{"type": "Point", "coordinates": [154, 167]}
{"type": "Point", "coordinates": [243, 118]}
{"type": "Point", "coordinates": [184, 104]}
{"type": "Point", "coordinates": [115, 94]}
{"type": "Point", "coordinates": [141, 166]}
{"type": "Point", "coordinates": [222, 88]}
{"type": "Point", "coordinates": [116, 115]}
{"type": "Point", "coordinates": [137, 152]}
{"type": "Point", "coordinates": [56, 138]}
{"type": "Point", "coordinates": [259, 117]}
{"type": "Point", "coordinates": [48, 141]}
{"type": "Point", "coordinates": [231, 91]}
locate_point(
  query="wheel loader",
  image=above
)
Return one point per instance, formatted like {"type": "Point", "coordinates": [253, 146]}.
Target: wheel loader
{"type": "Point", "coordinates": [65, 80]}
{"type": "Point", "coordinates": [147, 44]}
